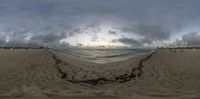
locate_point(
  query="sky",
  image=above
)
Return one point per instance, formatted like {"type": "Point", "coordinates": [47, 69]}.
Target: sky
{"type": "Point", "coordinates": [99, 23]}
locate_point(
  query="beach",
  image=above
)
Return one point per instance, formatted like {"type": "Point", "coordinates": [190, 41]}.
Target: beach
{"type": "Point", "coordinates": [43, 73]}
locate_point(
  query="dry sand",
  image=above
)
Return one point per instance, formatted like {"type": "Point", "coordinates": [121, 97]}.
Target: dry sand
{"type": "Point", "coordinates": [43, 74]}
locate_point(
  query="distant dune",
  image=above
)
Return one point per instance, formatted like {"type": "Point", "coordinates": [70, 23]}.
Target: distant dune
{"type": "Point", "coordinates": [162, 74]}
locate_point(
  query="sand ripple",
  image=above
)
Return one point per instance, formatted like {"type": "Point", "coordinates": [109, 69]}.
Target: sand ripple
{"type": "Point", "coordinates": [43, 73]}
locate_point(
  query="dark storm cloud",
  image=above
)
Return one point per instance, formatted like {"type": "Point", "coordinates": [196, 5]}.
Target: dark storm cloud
{"type": "Point", "coordinates": [50, 40]}
{"type": "Point", "coordinates": [153, 32]}
{"type": "Point", "coordinates": [54, 37]}
{"type": "Point", "coordinates": [94, 37]}
{"type": "Point", "coordinates": [2, 39]}
{"type": "Point", "coordinates": [149, 32]}
{"type": "Point", "coordinates": [46, 20]}
{"type": "Point", "coordinates": [128, 41]}
{"type": "Point", "coordinates": [190, 39]}
{"type": "Point", "coordinates": [112, 32]}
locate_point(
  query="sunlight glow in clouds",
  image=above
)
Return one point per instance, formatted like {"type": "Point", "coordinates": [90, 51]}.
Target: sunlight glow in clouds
{"type": "Point", "coordinates": [98, 36]}
{"type": "Point", "coordinates": [94, 37]}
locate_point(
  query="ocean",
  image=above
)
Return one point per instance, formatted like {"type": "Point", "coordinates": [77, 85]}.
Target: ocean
{"type": "Point", "coordinates": [102, 55]}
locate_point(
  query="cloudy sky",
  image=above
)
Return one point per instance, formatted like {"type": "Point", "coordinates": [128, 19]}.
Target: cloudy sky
{"type": "Point", "coordinates": [133, 23]}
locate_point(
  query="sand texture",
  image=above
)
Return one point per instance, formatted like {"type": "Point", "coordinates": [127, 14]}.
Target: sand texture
{"type": "Point", "coordinates": [44, 74]}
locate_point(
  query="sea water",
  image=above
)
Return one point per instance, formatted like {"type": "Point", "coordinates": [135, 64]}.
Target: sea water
{"type": "Point", "coordinates": [102, 55]}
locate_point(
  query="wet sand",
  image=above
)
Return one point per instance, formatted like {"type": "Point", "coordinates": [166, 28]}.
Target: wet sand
{"type": "Point", "coordinates": [162, 74]}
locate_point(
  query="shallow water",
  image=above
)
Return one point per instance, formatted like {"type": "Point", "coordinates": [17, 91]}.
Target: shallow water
{"type": "Point", "coordinates": [102, 55]}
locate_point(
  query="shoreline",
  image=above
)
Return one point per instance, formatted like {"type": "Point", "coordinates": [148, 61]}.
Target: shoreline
{"type": "Point", "coordinates": [96, 62]}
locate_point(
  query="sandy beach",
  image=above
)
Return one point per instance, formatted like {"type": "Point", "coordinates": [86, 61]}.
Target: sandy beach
{"type": "Point", "coordinates": [162, 74]}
